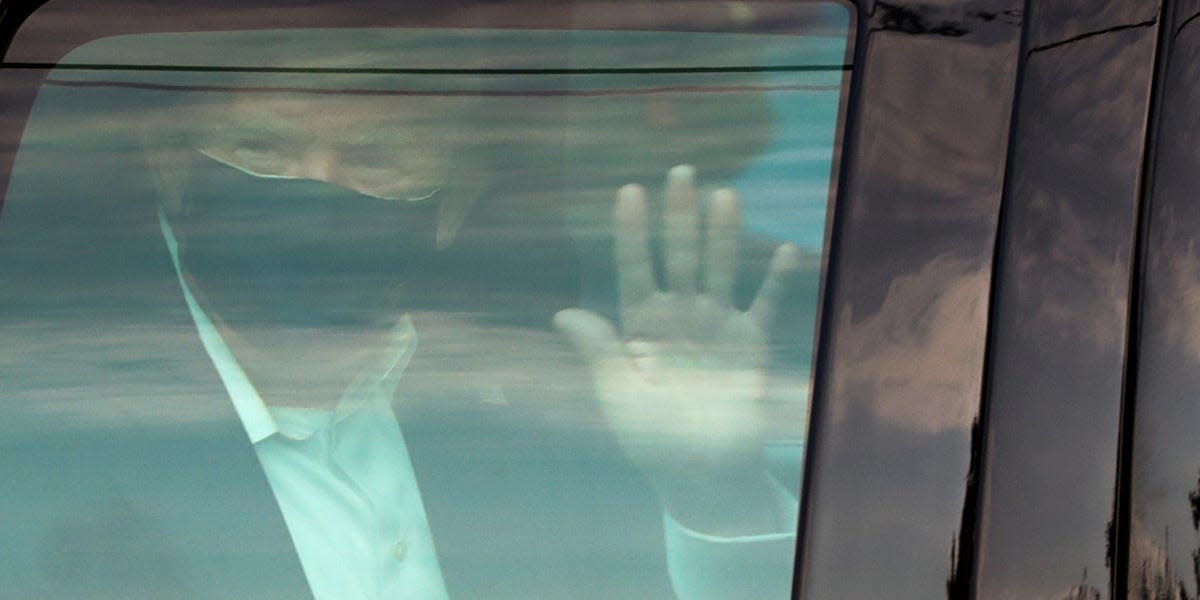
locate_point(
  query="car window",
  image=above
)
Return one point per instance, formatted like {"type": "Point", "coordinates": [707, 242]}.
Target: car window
{"type": "Point", "coordinates": [453, 311]}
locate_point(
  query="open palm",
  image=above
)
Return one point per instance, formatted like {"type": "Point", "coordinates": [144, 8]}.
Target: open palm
{"type": "Point", "coordinates": [681, 382]}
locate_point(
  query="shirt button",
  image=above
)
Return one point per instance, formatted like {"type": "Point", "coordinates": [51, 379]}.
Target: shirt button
{"type": "Point", "coordinates": [400, 550]}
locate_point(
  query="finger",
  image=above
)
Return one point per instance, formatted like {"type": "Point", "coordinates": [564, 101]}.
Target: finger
{"type": "Point", "coordinates": [721, 252]}
{"type": "Point", "coordinates": [635, 271]}
{"type": "Point", "coordinates": [782, 271]}
{"type": "Point", "coordinates": [682, 231]}
{"type": "Point", "coordinates": [595, 339]}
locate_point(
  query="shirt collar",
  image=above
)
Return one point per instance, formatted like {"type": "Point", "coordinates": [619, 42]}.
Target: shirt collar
{"type": "Point", "coordinates": [256, 418]}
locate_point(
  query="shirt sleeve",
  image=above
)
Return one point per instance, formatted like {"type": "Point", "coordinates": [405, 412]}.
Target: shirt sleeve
{"type": "Point", "coordinates": [758, 567]}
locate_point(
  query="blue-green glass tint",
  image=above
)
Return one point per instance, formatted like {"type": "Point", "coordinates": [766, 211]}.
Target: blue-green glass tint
{"type": "Point", "coordinates": [418, 313]}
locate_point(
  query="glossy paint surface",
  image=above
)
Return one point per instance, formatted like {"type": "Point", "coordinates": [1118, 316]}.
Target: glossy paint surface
{"type": "Point", "coordinates": [905, 318]}
{"type": "Point", "coordinates": [1060, 21]}
{"type": "Point", "coordinates": [1164, 539]}
{"type": "Point", "coordinates": [1058, 342]}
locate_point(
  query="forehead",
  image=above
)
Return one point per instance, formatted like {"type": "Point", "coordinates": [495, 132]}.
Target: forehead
{"type": "Point", "coordinates": [331, 115]}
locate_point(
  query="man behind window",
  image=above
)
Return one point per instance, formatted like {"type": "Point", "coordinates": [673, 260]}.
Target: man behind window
{"type": "Point", "coordinates": [324, 238]}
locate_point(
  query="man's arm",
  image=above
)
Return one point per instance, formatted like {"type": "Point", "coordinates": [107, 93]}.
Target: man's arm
{"type": "Point", "coordinates": [682, 382]}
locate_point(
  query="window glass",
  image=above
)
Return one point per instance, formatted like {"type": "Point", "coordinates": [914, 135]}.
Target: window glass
{"type": "Point", "coordinates": [439, 312]}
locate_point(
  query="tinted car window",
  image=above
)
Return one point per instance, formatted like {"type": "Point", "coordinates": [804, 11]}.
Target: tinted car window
{"type": "Point", "coordinates": [448, 311]}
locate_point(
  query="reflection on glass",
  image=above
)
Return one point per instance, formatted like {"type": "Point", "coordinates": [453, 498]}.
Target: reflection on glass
{"type": "Point", "coordinates": [1164, 530]}
{"type": "Point", "coordinates": [488, 334]}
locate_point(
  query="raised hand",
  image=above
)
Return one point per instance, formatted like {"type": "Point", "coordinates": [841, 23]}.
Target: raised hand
{"type": "Point", "coordinates": [681, 381]}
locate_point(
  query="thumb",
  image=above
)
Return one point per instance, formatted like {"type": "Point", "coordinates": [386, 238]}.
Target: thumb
{"type": "Point", "coordinates": [593, 337]}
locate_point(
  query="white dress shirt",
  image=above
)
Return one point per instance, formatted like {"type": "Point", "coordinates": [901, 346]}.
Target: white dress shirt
{"type": "Point", "coordinates": [346, 488]}
{"type": "Point", "coordinates": [342, 478]}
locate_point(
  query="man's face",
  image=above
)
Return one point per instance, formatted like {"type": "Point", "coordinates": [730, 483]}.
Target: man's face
{"type": "Point", "coordinates": [319, 208]}
{"type": "Point", "coordinates": [306, 235]}
{"type": "Point", "coordinates": [397, 149]}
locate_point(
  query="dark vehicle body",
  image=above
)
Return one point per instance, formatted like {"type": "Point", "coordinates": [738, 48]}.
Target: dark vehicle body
{"type": "Point", "coordinates": [1006, 397]}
